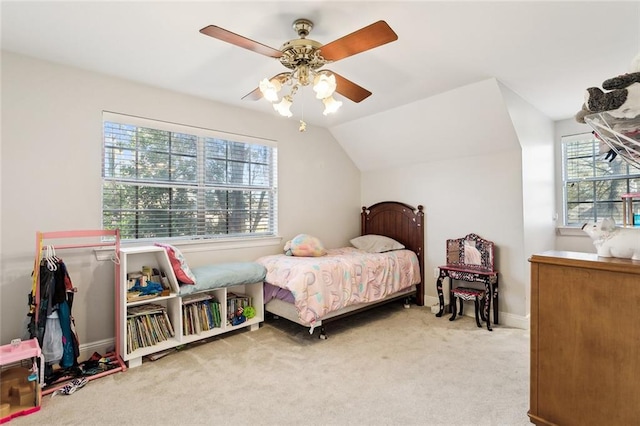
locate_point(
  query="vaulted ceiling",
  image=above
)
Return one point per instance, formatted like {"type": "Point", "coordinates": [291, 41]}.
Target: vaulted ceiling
{"type": "Point", "coordinates": [546, 52]}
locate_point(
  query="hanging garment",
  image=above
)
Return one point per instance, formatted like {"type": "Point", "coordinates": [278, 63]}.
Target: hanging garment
{"type": "Point", "coordinates": [45, 306]}
{"type": "Point", "coordinates": [68, 353]}
{"type": "Point", "coordinates": [52, 348]}
{"type": "Point", "coordinates": [69, 294]}
{"type": "Point", "coordinates": [56, 296]}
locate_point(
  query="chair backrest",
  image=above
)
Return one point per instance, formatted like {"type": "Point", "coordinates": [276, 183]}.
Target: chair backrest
{"type": "Point", "coordinates": [471, 252]}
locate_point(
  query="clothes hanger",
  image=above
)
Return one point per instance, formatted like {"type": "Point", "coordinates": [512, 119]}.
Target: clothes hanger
{"type": "Point", "coordinates": [51, 259]}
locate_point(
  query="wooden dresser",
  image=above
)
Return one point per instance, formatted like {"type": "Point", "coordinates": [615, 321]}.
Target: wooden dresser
{"type": "Point", "coordinates": [585, 340]}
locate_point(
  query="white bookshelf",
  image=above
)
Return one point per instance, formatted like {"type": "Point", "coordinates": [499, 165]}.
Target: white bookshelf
{"type": "Point", "coordinates": [132, 259]}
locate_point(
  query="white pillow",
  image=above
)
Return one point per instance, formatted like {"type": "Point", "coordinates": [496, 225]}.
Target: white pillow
{"type": "Point", "coordinates": [376, 243]}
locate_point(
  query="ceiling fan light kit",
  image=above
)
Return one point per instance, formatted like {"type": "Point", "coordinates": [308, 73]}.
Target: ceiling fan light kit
{"type": "Point", "coordinates": [324, 84]}
{"type": "Point", "coordinates": [284, 106]}
{"type": "Point", "coordinates": [304, 57]}
{"type": "Point", "coordinates": [330, 105]}
{"type": "Point", "coordinates": [270, 89]}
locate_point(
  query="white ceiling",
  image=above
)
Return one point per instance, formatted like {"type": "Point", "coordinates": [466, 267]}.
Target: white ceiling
{"type": "Point", "coordinates": [547, 52]}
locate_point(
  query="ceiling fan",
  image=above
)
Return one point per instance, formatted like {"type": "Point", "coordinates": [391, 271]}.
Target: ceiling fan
{"type": "Point", "coordinates": [305, 58]}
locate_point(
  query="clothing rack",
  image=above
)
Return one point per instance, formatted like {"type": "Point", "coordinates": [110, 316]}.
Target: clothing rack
{"type": "Point", "coordinates": [74, 235]}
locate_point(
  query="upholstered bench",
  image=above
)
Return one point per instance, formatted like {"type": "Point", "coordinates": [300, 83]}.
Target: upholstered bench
{"type": "Point", "coordinates": [212, 276]}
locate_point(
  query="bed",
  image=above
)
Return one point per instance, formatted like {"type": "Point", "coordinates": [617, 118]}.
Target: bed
{"type": "Point", "coordinates": [311, 291]}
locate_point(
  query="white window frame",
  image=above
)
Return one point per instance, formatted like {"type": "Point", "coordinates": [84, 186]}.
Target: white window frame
{"type": "Point", "coordinates": [198, 185]}
{"type": "Point", "coordinates": [609, 171]}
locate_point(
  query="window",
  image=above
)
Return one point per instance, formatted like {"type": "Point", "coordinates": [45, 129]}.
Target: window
{"type": "Point", "coordinates": [164, 180]}
{"type": "Point", "coordinates": [593, 185]}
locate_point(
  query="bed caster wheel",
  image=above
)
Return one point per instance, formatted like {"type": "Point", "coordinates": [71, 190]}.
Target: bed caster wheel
{"type": "Point", "coordinates": [323, 334]}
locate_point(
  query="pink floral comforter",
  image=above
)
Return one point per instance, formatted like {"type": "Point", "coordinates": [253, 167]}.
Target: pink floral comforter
{"type": "Point", "coordinates": [344, 277]}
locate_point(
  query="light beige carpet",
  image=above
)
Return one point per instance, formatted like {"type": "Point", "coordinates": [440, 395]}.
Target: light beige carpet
{"type": "Point", "coordinates": [388, 366]}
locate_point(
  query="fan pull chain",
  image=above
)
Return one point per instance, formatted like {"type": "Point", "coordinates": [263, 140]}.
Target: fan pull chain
{"type": "Point", "coordinates": [303, 125]}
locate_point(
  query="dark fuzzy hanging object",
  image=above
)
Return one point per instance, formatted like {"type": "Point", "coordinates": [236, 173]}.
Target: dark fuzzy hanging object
{"type": "Point", "coordinates": [622, 81]}
{"type": "Point", "coordinates": [599, 101]}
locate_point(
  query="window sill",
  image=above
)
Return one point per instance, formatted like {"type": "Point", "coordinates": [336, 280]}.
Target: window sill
{"type": "Point", "coordinates": [571, 231]}
{"type": "Point", "coordinates": [192, 246]}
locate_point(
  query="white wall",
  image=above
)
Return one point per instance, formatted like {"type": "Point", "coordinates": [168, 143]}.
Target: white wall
{"type": "Point", "coordinates": [464, 164]}
{"type": "Point", "coordinates": [51, 178]}
{"type": "Point", "coordinates": [460, 197]}
{"type": "Point", "coordinates": [535, 134]}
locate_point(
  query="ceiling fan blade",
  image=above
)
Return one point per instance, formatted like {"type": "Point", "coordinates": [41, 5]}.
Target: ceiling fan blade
{"type": "Point", "coordinates": [256, 94]}
{"type": "Point", "coordinates": [349, 89]}
{"type": "Point", "coordinates": [233, 38]}
{"type": "Point", "coordinates": [366, 38]}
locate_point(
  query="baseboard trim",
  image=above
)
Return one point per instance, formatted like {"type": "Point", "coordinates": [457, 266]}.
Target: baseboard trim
{"type": "Point", "coordinates": [506, 319]}
{"type": "Point", "coordinates": [101, 346]}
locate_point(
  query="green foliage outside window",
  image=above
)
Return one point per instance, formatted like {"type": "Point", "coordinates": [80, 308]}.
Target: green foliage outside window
{"type": "Point", "coordinates": [164, 184]}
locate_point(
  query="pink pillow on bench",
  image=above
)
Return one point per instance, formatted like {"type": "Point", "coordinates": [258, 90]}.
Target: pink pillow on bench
{"type": "Point", "coordinates": [179, 264]}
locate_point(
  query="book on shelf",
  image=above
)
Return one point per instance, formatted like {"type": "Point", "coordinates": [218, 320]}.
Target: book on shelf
{"type": "Point", "coordinates": [200, 315]}
{"type": "Point", "coordinates": [196, 298]}
{"type": "Point", "coordinates": [147, 325]}
{"type": "Point", "coordinates": [146, 309]}
{"type": "Point", "coordinates": [217, 315]}
{"type": "Point", "coordinates": [196, 319]}
{"type": "Point", "coordinates": [157, 355]}
{"type": "Point", "coordinates": [167, 323]}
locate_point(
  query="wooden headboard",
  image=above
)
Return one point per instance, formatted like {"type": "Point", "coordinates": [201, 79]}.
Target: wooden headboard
{"type": "Point", "coordinates": [403, 223]}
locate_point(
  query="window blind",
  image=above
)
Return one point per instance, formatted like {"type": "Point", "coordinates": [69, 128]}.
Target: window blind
{"type": "Point", "coordinates": [593, 185]}
{"type": "Point", "coordinates": [165, 180]}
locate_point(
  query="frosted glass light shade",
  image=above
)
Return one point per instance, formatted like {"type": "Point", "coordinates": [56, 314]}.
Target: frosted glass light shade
{"type": "Point", "coordinates": [324, 84]}
{"type": "Point", "coordinates": [270, 89]}
{"type": "Point", "coordinates": [283, 107]}
{"type": "Point", "coordinates": [330, 105]}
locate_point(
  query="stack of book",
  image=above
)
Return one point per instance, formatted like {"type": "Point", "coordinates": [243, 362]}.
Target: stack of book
{"type": "Point", "coordinates": [147, 325]}
{"type": "Point", "coordinates": [200, 313]}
